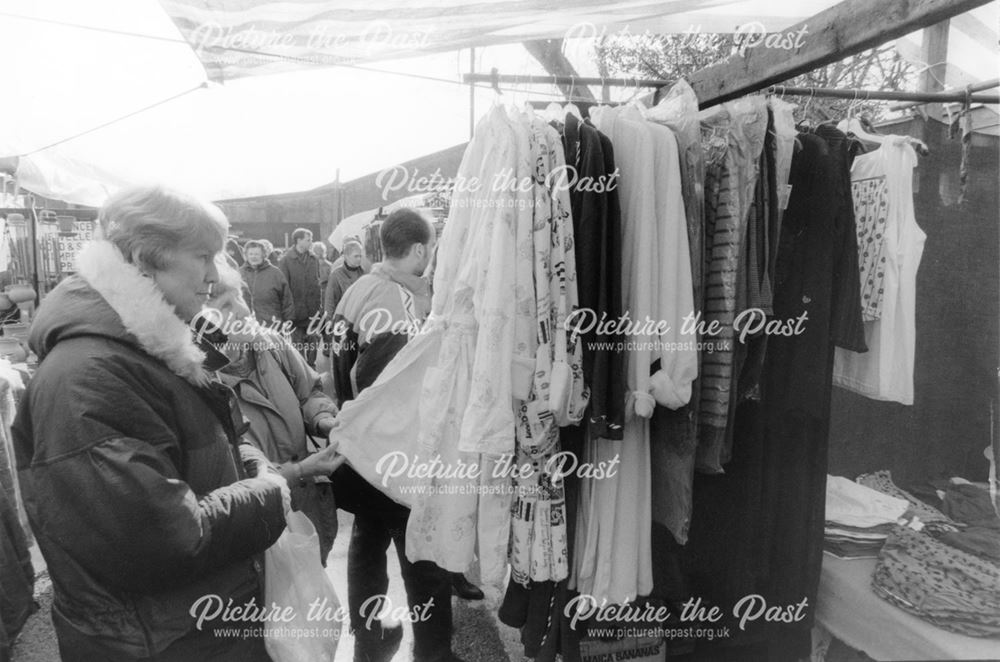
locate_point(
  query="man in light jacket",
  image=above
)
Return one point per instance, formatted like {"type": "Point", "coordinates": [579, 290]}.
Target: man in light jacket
{"type": "Point", "coordinates": [394, 289]}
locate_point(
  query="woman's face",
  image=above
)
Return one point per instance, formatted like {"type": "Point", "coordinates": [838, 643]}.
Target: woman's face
{"type": "Point", "coordinates": [231, 308]}
{"type": "Point", "coordinates": [186, 282]}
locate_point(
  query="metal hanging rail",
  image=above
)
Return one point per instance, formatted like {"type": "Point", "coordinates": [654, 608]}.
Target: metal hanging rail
{"type": "Point", "coordinates": [884, 95]}
{"type": "Point", "coordinates": [516, 79]}
{"type": "Point", "coordinates": [858, 95]}
{"type": "Point", "coordinates": [978, 87]}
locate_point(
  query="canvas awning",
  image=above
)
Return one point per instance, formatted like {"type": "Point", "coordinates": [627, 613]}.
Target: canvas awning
{"type": "Point", "coordinates": [109, 93]}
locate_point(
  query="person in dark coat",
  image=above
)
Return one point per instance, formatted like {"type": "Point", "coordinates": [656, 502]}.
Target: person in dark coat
{"type": "Point", "coordinates": [325, 266]}
{"type": "Point", "coordinates": [325, 269]}
{"type": "Point", "coordinates": [301, 269]}
{"type": "Point", "coordinates": [235, 252]}
{"type": "Point", "coordinates": [147, 506]}
{"type": "Point", "coordinates": [270, 296]}
{"type": "Point", "coordinates": [342, 277]}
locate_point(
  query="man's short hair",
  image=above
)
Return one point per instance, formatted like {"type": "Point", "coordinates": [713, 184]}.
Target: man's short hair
{"type": "Point", "coordinates": [402, 229]}
{"type": "Point", "coordinates": [299, 233]}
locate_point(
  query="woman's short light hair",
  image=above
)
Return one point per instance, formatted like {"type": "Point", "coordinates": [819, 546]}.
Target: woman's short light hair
{"type": "Point", "coordinates": [148, 224]}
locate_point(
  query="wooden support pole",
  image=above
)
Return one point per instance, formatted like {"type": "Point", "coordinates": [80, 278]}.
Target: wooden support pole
{"type": "Point", "coordinates": [934, 52]}
{"type": "Point", "coordinates": [845, 29]}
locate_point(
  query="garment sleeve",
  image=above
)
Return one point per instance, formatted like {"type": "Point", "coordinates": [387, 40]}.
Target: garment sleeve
{"type": "Point", "coordinates": [334, 293]}
{"type": "Point", "coordinates": [140, 527]}
{"type": "Point", "coordinates": [640, 239]}
{"type": "Point", "coordinates": [287, 300]}
{"type": "Point", "coordinates": [314, 404]}
{"type": "Point", "coordinates": [343, 356]}
{"type": "Point", "coordinates": [671, 384]}
{"type": "Point", "coordinates": [488, 421]}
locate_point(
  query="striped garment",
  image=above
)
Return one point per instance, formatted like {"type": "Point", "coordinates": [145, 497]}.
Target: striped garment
{"type": "Point", "coordinates": [722, 246]}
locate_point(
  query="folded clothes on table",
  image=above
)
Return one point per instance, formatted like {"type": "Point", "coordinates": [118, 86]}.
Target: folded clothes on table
{"type": "Point", "coordinates": [858, 518]}
{"type": "Point", "coordinates": [939, 583]}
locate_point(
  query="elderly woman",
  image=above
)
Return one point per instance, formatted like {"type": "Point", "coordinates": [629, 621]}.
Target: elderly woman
{"type": "Point", "coordinates": [145, 503]}
{"type": "Point", "coordinates": [282, 398]}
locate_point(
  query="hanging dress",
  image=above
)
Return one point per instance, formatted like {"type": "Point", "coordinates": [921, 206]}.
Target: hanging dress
{"type": "Point", "coordinates": [466, 406]}
{"type": "Point", "coordinates": [885, 372]}
{"type": "Point", "coordinates": [613, 557]}
{"type": "Point", "coordinates": [538, 516]}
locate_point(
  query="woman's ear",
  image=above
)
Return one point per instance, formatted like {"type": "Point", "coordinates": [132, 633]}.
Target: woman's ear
{"type": "Point", "coordinates": [135, 259]}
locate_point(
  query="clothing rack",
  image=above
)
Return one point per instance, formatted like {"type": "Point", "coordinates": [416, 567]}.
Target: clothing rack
{"type": "Point", "coordinates": [885, 95]}
{"type": "Point", "coordinates": [978, 87]}
{"type": "Point", "coordinates": [968, 94]}
{"type": "Point", "coordinates": [495, 78]}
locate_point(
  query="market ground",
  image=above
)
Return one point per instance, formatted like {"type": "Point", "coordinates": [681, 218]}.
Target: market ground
{"type": "Point", "coordinates": [479, 637]}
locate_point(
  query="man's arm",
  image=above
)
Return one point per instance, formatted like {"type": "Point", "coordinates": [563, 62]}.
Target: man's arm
{"type": "Point", "coordinates": [287, 300]}
{"type": "Point", "coordinates": [343, 355]}
{"type": "Point", "coordinates": [332, 295]}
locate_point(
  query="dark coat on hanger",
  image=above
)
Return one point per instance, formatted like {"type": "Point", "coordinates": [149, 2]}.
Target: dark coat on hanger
{"type": "Point", "coordinates": [597, 239]}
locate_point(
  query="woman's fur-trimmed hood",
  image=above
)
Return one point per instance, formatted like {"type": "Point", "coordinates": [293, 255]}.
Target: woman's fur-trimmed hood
{"type": "Point", "coordinates": [110, 297]}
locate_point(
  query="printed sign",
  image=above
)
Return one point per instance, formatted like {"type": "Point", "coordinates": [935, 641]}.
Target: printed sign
{"type": "Point", "coordinates": [70, 245]}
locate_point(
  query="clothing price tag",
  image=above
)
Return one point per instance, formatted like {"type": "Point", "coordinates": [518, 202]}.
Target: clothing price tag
{"type": "Point", "coordinates": [784, 194]}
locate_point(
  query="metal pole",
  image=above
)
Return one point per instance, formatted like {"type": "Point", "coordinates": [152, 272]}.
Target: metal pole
{"type": "Point", "coordinates": [978, 87]}
{"type": "Point", "coordinates": [882, 95]}
{"type": "Point", "coordinates": [564, 80]}
{"type": "Point", "coordinates": [472, 95]}
{"type": "Point", "coordinates": [33, 230]}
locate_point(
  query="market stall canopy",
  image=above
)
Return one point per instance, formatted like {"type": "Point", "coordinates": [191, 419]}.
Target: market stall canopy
{"type": "Point", "coordinates": [251, 37]}
{"type": "Point", "coordinates": [110, 93]}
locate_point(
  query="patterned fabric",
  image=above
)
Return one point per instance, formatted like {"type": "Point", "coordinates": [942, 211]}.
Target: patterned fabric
{"type": "Point", "coordinates": [885, 371]}
{"type": "Point", "coordinates": [504, 283]}
{"type": "Point", "coordinates": [941, 584]}
{"type": "Point", "coordinates": [538, 549]}
{"type": "Point", "coordinates": [466, 400]}
{"type": "Point", "coordinates": [871, 211]}
{"type": "Point", "coordinates": [882, 481]}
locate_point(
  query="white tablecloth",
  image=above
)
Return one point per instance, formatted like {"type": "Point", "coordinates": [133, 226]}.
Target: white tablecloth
{"type": "Point", "coordinates": [849, 609]}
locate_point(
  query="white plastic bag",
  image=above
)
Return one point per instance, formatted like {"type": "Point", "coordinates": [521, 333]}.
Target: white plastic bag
{"type": "Point", "coordinates": [304, 617]}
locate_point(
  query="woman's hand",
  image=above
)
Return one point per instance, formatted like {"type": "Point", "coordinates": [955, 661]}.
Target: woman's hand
{"type": "Point", "coordinates": [324, 462]}
{"type": "Point", "coordinates": [257, 466]}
